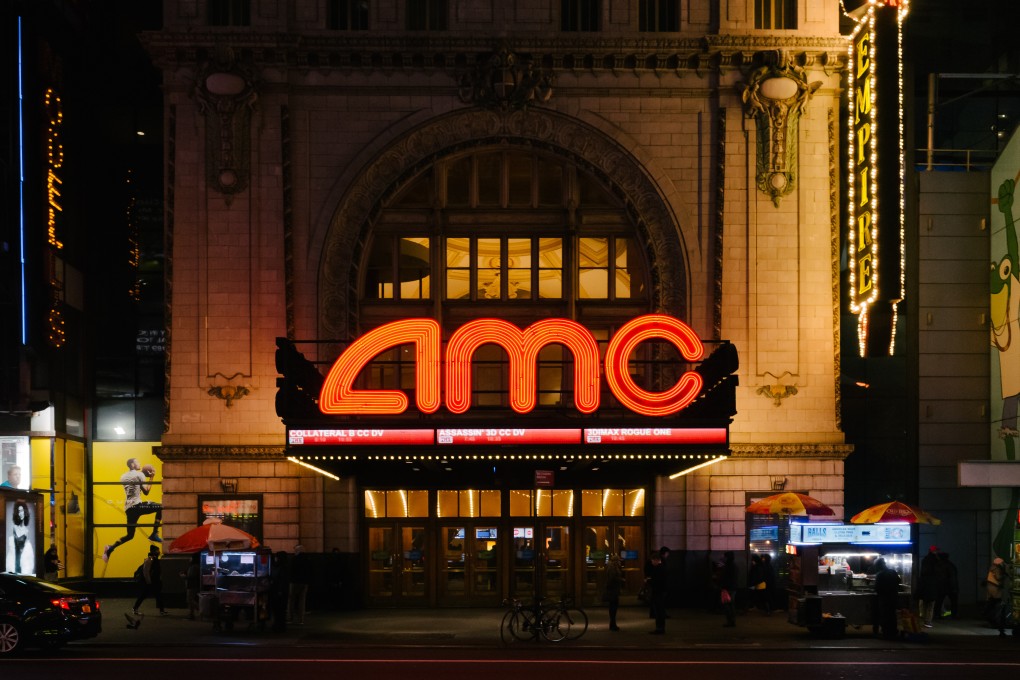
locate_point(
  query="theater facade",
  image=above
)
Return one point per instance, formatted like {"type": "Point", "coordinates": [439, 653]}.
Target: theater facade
{"type": "Point", "coordinates": [477, 293]}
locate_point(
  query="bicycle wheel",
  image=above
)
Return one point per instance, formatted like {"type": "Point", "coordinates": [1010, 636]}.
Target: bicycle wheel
{"type": "Point", "coordinates": [578, 622]}
{"type": "Point", "coordinates": [505, 630]}
{"type": "Point", "coordinates": [555, 625]}
{"type": "Point", "coordinates": [522, 625]}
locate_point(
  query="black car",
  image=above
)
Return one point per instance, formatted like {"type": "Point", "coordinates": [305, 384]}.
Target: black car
{"type": "Point", "coordinates": [37, 613]}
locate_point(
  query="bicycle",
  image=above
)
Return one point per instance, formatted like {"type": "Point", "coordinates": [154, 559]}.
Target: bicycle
{"type": "Point", "coordinates": [571, 617]}
{"type": "Point", "coordinates": [524, 623]}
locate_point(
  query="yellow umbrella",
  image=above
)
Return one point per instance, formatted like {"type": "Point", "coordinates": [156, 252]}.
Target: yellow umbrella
{"type": "Point", "coordinates": [894, 511]}
{"type": "Point", "coordinates": [789, 503]}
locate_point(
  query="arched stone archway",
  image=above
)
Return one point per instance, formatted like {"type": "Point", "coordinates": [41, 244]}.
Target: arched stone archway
{"type": "Point", "coordinates": [554, 133]}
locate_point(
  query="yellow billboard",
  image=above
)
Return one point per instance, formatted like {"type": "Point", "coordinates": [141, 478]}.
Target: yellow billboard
{"type": "Point", "coordinates": [127, 502]}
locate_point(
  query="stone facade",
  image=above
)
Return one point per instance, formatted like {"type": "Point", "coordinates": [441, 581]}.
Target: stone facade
{"type": "Point", "coordinates": [283, 137]}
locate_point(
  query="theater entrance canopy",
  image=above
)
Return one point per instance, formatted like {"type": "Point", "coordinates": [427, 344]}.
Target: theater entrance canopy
{"type": "Point", "coordinates": [500, 405]}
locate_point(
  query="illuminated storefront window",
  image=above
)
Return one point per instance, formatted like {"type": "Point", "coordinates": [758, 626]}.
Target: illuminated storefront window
{"type": "Point", "coordinates": [402, 503]}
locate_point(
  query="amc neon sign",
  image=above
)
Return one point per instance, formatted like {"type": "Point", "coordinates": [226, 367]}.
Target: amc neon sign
{"type": "Point", "coordinates": [339, 397]}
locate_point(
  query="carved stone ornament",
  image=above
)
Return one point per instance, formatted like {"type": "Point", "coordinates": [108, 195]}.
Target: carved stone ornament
{"type": "Point", "coordinates": [775, 96]}
{"type": "Point", "coordinates": [226, 95]}
{"type": "Point", "coordinates": [507, 81]}
{"type": "Point", "coordinates": [777, 392]}
{"type": "Point", "coordinates": [229, 393]}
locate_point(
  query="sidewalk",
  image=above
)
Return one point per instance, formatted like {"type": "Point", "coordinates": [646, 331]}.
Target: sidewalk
{"type": "Point", "coordinates": [461, 628]}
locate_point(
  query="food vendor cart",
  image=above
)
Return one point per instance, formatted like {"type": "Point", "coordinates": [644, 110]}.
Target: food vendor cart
{"type": "Point", "coordinates": [235, 586]}
{"type": "Point", "coordinates": [832, 582]}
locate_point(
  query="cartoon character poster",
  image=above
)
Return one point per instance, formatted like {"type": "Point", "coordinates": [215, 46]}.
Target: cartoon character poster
{"type": "Point", "coordinates": [1004, 321]}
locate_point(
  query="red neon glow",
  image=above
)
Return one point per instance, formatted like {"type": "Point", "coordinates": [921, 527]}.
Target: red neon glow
{"type": "Point", "coordinates": [372, 437]}
{"type": "Point", "coordinates": [338, 394]}
{"type": "Point", "coordinates": [522, 347]}
{"type": "Point", "coordinates": [623, 344]}
{"type": "Point", "coordinates": [655, 435]}
{"type": "Point", "coordinates": [507, 435]}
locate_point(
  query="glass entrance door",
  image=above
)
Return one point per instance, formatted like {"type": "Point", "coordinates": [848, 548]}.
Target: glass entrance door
{"type": "Point", "coordinates": [556, 562]}
{"type": "Point", "coordinates": [469, 568]}
{"type": "Point", "coordinates": [397, 564]}
{"type": "Point", "coordinates": [542, 561]}
{"type": "Point", "coordinates": [600, 541]}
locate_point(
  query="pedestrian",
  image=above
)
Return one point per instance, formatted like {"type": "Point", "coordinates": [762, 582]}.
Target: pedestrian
{"type": "Point", "coordinates": [770, 584]}
{"type": "Point", "coordinates": [300, 577]}
{"type": "Point", "coordinates": [887, 591]}
{"type": "Point", "coordinates": [728, 589]}
{"type": "Point", "coordinates": [928, 586]}
{"type": "Point", "coordinates": [279, 590]}
{"type": "Point", "coordinates": [998, 607]}
{"type": "Point", "coordinates": [656, 581]}
{"type": "Point", "coordinates": [192, 584]}
{"type": "Point", "coordinates": [151, 584]}
{"type": "Point", "coordinates": [756, 582]}
{"type": "Point", "coordinates": [950, 587]}
{"type": "Point", "coordinates": [614, 584]}
{"type": "Point", "coordinates": [51, 563]}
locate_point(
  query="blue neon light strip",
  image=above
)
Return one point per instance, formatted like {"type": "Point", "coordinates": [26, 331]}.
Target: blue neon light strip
{"type": "Point", "coordinates": [21, 190]}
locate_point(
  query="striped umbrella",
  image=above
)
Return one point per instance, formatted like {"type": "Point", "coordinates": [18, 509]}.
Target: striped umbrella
{"type": "Point", "coordinates": [789, 503]}
{"type": "Point", "coordinates": [894, 511]}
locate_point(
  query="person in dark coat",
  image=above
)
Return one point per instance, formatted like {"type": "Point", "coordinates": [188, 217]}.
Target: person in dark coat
{"type": "Point", "coordinates": [728, 585]}
{"type": "Point", "coordinates": [770, 584]}
{"type": "Point", "coordinates": [614, 584]}
{"type": "Point", "coordinates": [279, 591]}
{"type": "Point", "coordinates": [887, 589]}
{"type": "Point", "coordinates": [152, 582]}
{"type": "Point", "coordinates": [657, 592]}
{"type": "Point", "coordinates": [949, 582]}
{"type": "Point", "coordinates": [928, 586]}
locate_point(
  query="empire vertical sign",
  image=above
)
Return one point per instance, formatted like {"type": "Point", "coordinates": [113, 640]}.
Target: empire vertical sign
{"type": "Point", "coordinates": [875, 138]}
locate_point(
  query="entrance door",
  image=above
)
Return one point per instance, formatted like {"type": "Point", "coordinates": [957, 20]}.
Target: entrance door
{"type": "Point", "coordinates": [542, 563]}
{"type": "Point", "coordinates": [600, 541]}
{"type": "Point", "coordinates": [469, 569]}
{"type": "Point", "coordinates": [397, 564]}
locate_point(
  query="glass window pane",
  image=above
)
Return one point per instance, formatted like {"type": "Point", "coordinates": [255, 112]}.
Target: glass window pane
{"type": "Point", "coordinates": [550, 273]}
{"type": "Point", "coordinates": [414, 268]}
{"type": "Point", "coordinates": [519, 179]}
{"type": "Point", "coordinates": [593, 252]}
{"type": "Point", "coordinates": [447, 503]}
{"type": "Point", "coordinates": [489, 503]}
{"type": "Point", "coordinates": [458, 284]}
{"type": "Point", "coordinates": [550, 385]}
{"type": "Point", "coordinates": [489, 184]}
{"type": "Point", "coordinates": [543, 502]}
{"type": "Point", "coordinates": [622, 284]}
{"type": "Point", "coordinates": [458, 274]}
{"type": "Point", "coordinates": [468, 503]}
{"type": "Point", "coordinates": [563, 502]}
{"type": "Point", "coordinates": [634, 503]}
{"type": "Point", "coordinates": [489, 260]}
{"type": "Point", "coordinates": [593, 284]}
{"type": "Point", "coordinates": [375, 503]}
{"type": "Point", "coordinates": [612, 502]}
{"type": "Point", "coordinates": [550, 182]}
{"type": "Point", "coordinates": [417, 503]}
{"type": "Point", "coordinates": [520, 503]}
{"type": "Point", "coordinates": [591, 502]}
{"type": "Point", "coordinates": [379, 272]}
{"type": "Point", "coordinates": [519, 263]}
{"type": "Point", "coordinates": [458, 183]}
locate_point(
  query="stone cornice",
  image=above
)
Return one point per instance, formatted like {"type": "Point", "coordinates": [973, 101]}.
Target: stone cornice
{"type": "Point", "coordinates": [182, 452]}
{"type": "Point", "coordinates": [790, 451]}
{"type": "Point", "coordinates": [326, 52]}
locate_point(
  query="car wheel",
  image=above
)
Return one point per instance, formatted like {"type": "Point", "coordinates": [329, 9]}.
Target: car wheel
{"type": "Point", "coordinates": [10, 637]}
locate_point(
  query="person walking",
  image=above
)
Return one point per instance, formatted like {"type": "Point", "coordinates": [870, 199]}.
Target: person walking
{"type": "Point", "coordinates": [152, 582]}
{"type": "Point", "coordinates": [300, 577]}
{"type": "Point", "coordinates": [51, 563]}
{"type": "Point", "coordinates": [997, 587]}
{"type": "Point", "coordinates": [728, 589]}
{"type": "Point", "coordinates": [657, 592]}
{"type": "Point", "coordinates": [928, 586]}
{"type": "Point", "coordinates": [279, 591]}
{"type": "Point", "coordinates": [950, 586]}
{"type": "Point", "coordinates": [614, 584]}
{"type": "Point", "coordinates": [770, 584]}
{"type": "Point", "coordinates": [887, 590]}
{"type": "Point", "coordinates": [192, 584]}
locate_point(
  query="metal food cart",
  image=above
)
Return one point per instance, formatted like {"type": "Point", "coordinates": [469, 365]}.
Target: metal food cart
{"type": "Point", "coordinates": [833, 584]}
{"type": "Point", "coordinates": [235, 586]}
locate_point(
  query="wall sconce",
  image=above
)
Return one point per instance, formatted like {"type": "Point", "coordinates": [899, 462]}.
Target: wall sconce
{"type": "Point", "coordinates": [778, 483]}
{"type": "Point", "coordinates": [228, 485]}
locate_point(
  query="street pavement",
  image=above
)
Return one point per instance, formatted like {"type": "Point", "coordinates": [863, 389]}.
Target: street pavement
{"type": "Point", "coordinates": [472, 628]}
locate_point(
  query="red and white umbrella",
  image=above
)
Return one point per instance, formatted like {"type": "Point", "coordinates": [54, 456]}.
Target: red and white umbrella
{"type": "Point", "coordinates": [215, 536]}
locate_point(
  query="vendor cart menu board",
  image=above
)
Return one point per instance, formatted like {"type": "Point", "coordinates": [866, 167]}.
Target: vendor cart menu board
{"type": "Point", "coordinates": [865, 534]}
{"type": "Point", "coordinates": [241, 512]}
